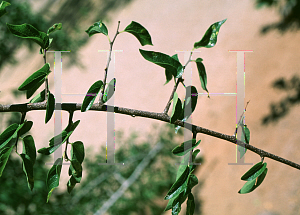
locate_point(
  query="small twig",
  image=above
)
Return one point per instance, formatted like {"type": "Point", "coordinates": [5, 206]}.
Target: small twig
{"type": "Point", "coordinates": [107, 64]}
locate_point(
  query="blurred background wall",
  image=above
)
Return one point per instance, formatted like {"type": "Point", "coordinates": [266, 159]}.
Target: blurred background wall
{"type": "Point", "coordinates": [271, 84]}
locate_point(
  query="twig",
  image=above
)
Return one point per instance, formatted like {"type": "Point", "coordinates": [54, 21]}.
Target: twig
{"type": "Point", "coordinates": [107, 64]}
{"type": "Point", "coordinates": [151, 115]}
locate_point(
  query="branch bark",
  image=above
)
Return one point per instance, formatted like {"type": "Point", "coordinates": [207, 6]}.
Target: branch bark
{"type": "Point", "coordinates": [151, 115]}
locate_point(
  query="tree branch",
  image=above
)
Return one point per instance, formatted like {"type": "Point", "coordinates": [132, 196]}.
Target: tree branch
{"type": "Point", "coordinates": [151, 115]}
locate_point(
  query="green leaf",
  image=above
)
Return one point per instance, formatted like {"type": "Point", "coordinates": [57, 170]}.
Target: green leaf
{"type": "Point", "coordinates": [98, 27]}
{"type": "Point", "coordinates": [193, 181]}
{"type": "Point", "coordinates": [109, 92]}
{"type": "Point", "coordinates": [176, 209]}
{"type": "Point", "coordinates": [53, 28]}
{"type": "Point", "coordinates": [57, 141]}
{"type": "Point", "coordinates": [26, 127]}
{"type": "Point", "coordinates": [39, 97]}
{"type": "Point", "coordinates": [139, 32]}
{"type": "Point", "coordinates": [249, 186]}
{"type": "Point", "coordinates": [177, 112]}
{"type": "Point", "coordinates": [246, 133]}
{"type": "Point", "coordinates": [50, 107]}
{"type": "Point", "coordinates": [29, 148]}
{"type": "Point", "coordinates": [190, 100]}
{"type": "Point", "coordinates": [179, 186]}
{"type": "Point", "coordinates": [163, 60]}
{"type": "Point", "coordinates": [3, 5]}
{"type": "Point", "coordinates": [91, 96]}
{"type": "Point", "coordinates": [171, 71]}
{"type": "Point", "coordinates": [254, 172]}
{"type": "Point", "coordinates": [53, 177]}
{"type": "Point", "coordinates": [31, 91]}
{"type": "Point", "coordinates": [190, 205]}
{"type": "Point", "coordinates": [185, 147]}
{"type": "Point", "coordinates": [36, 78]}
{"type": "Point", "coordinates": [209, 39]}
{"type": "Point", "coordinates": [202, 74]}
{"type": "Point", "coordinates": [7, 134]}
{"type": "Point", "coordinates": [195, 153]}
{"type": "Point", "coordinates": [4, 155]}
{"type": "Point", "coordinates": [28, 170]}
{"type": "Point", "coordinates": [29, 32]}
{"type": "Point", "coordinates": [77, 151]}
{"type": "Point", "coordinates": [71, 184]}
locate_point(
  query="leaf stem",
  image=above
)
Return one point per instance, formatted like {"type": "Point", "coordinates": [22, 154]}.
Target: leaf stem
{"type": "Point", "coordinates": [107, 65]}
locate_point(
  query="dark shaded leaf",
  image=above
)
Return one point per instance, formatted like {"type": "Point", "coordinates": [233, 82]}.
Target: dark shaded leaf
{"type": "Point", "coordinates": [91, 96]}
{"type": "Point", "coordinates": [50, 107]}
{"type": "Point", "coordinates": [190, 100]}
{"type": "Point", "coordinates": [177, 112]}
{"type": "Point", "coordinates": [139, 32]}
{"type": "Point", "coordinates": [249, 186]}
{"type": "Point", "coordinates": [25, 128]}
{"type": "Point", "coordinates": [190, 205]}
{"type": "Point", "coordinates": [29, 32]}
{"type": "Point", "coordinates": [202, 74]}
{"type": "Point", "coordinates": [53, 177]}
{"type": "Point", "coordinates": [29, 148]}
{"type": "Point", "coordinates": [209, 39]}
{"type": "Point", "coordinates": [28, 170]}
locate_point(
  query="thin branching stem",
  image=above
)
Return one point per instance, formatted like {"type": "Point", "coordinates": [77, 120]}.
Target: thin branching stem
{"type": "Point", "coordinates": [108, 62]}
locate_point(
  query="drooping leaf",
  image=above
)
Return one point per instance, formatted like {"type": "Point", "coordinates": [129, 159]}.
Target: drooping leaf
{"type": "Point", "coordinates": [28, 170]}
{"type": "Point", "coordinates": [29, 148]}
{"type": "Point", "coordinates": [209, 39]}
{"type": "Point", "coordinates": [91, 96]}
{"type": "Point", "coordinates": [97, 27]}
{"type": "Point", "coordinates": [164, 61]}
{"type": "Point", "coordinates": [77, 151]}
{"type": "Point", "coordinates": [179, 186]}
{"type": "Point", "coordinates": [50, 107]}
{"type": "Point", "coordinates": [7, 134]}
{"type": "Point", "coordinates": [53, 28]}
{"type": "Point", "coordinates": [4, 155]}
{"type": "Point", "coordinates": [71, 184]}
{"type": "Point", "coordinates": [53, 177]}
{"type": "Point", "coordinates": [29, 32]}
{"type": "Point", "coordinates": [25, 128]}
{"type": "Point", "coordinates": [3, 5]}
{"type": "Point", "coordinates": [254, 172]}
{"type": "Point", "coordinates": [57, 141]}
{"type": "Point", "coordinates": [36, 78]}
{"type": "Point", "coordinates": [171, 72]}
{"type": "Point", "coordinates": [249, 186]}
{"type": "Point", "coordinates": [202, 74]}
{"type": "Point", "coordinates": [190, 205]}
{"type": "Point", "coordinates": [246, 133]}
{"type": "Point", "coordinates": [39, 97]}
{"type": "Point", "coordinates": [139, 32]}
{"type": "Point", "coordinates": [185, 147]}
{"type": "Point", "coordinates": [190, 100]}
{"type": "Point", "coordinates": [177, 112]}
{"type": "Point", "coordinates": [109, 92]}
